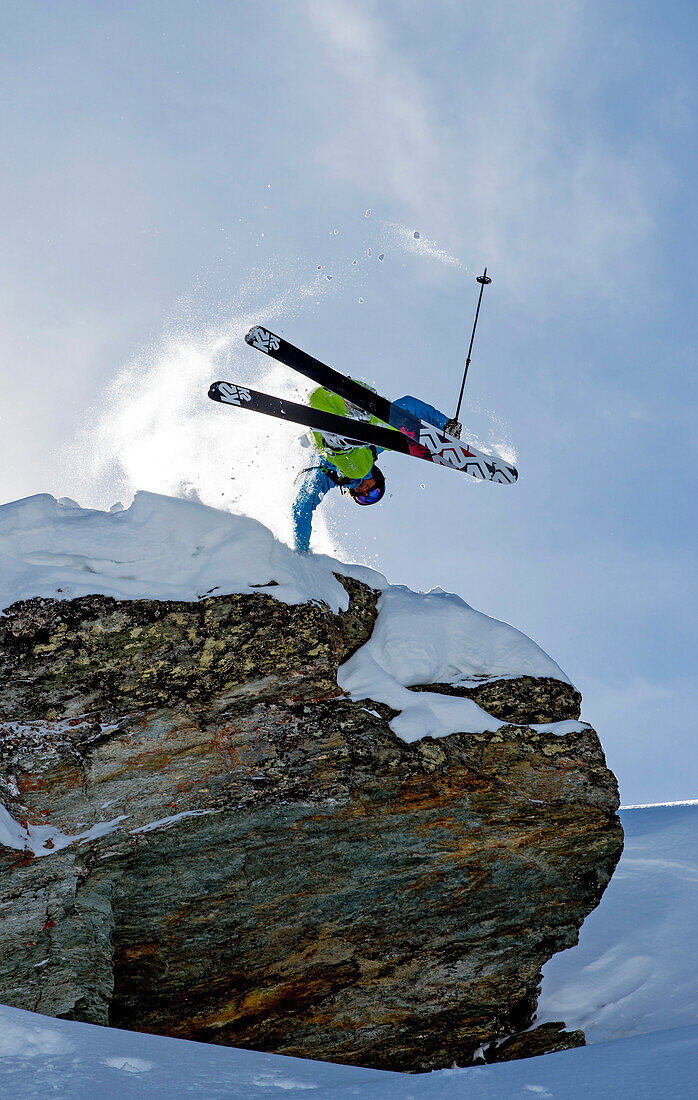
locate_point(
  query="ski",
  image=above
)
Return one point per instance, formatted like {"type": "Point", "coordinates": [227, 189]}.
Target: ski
{"type": "Point", "coordinates": [443, 449]}
{"type": "Point", "coordinates": [343, 431]}
{"type": "Point", "coordinates": [319, 372]}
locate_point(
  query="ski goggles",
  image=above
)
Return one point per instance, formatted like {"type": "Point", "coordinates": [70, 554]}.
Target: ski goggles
{"type": "Point", "coordinates": [371, 497]}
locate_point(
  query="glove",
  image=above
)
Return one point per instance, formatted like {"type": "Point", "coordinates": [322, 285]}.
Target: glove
{"type": "Point", "coordinates": [453, 427]}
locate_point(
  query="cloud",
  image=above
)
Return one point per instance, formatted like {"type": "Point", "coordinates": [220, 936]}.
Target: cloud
{"type": "Point", "coordinates": [647, 729]}
{"type": "Point", "coordinates": [493, 134]}
{"type": "Point", "coordinates": [390, 132]}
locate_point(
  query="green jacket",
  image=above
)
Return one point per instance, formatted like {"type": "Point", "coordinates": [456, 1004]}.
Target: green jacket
{"type": "Point", "coordinates": [354, 462]}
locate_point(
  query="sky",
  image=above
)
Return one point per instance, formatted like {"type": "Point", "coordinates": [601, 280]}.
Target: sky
{"type": "Point", "coordinates": [175, 172]}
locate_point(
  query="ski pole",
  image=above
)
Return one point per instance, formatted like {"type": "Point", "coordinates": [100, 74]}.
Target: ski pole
{"type": "Point", "coordinates": [483, 281]}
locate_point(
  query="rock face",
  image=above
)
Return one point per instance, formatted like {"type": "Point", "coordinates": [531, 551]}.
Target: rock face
{"type": "Point", "coordinates": [221, 846]}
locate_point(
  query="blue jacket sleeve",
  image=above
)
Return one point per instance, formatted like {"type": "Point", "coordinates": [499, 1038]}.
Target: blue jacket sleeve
{"type": "Point", "coordinates": [422, 410]}
{"type": "Point", "coordinates": [313, 488]}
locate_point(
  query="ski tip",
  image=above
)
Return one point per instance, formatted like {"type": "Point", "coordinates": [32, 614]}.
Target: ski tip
{"type": "Point", "coordinates": [501, 472]}
{"type": "Point", "coordinates": [262, 339]}
{"type": "Point", "coordinates": [230, 393]}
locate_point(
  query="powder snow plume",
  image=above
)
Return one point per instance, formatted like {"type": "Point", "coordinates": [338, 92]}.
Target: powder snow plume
{"type": "Point", "coordinates": [414, 243]}
{"type": "Point", "coordinates": [156, 428]}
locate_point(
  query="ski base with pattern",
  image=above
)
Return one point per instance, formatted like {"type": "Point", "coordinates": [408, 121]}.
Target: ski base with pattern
{"type": "Point", "coordinates": [442, 448]}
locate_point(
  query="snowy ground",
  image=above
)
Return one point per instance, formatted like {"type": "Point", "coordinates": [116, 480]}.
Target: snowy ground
{"type": "Point", "coordinates": [41, 1057]}
{"type": "Point", "coordinates": [170, 549]}
{"type": "Point", "coordinates": [631, 981]}
{"type": "Point", "coordinates": [635, 968]}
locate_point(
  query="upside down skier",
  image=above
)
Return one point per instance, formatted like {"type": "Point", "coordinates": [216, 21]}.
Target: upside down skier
{"type": "Point", "coordinates": [348, 465]}
{"type": "Point", "coordinates": [347, 459]}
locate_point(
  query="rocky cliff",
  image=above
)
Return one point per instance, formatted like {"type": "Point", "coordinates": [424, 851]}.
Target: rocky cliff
{"type": "Point", "coordinates": [205, 837]}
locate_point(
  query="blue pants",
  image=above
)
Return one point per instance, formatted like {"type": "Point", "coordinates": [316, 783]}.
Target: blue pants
{"type": "Point", "coordinates": [316, 481]}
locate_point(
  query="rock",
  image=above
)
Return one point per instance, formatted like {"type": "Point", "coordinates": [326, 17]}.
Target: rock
{"type": "Point", "coordinates": [527, 699]}
{"type": "Point", "coordinates": [276, 869]}
{"type": "Point", "coordinates": [108, 656]}
{"type": "Point", "coordinates": [544, 1039]}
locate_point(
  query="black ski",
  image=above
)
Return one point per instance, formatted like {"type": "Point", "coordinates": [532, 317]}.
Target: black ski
{"type": "Point", "coordinates": [319, 372]}
{"type": "Point", "coordinates": [339, 431]}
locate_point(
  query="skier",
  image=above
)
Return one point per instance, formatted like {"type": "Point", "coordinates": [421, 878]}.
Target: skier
{"type": "Point", "coordinates": [372, 424]}
{"type": "Point", "coordinates": [346, 464]}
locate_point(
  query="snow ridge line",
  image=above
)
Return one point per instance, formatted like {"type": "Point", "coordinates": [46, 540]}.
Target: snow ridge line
{"type": "Point", "coordinates": [658, 805]}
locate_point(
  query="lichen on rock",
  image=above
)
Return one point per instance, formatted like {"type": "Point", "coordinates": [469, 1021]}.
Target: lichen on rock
{"type": "Point", "coordinates": [523, 699]}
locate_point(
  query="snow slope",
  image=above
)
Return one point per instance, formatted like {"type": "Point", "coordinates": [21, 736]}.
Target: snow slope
{"type": "Point", "coordinates": [635, 969]}
{"type": "Point", "coordinates": [170, 549]}
{"type": "Point", "coordinates": [41, 1057]}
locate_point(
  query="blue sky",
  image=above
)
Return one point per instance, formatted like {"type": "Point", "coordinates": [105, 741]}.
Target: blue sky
{"type": "Point", "coordinates": [174, 171]}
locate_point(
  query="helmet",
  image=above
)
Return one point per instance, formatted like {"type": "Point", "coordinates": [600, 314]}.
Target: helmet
{"type": "Point", "coordinates": [373, 495]}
